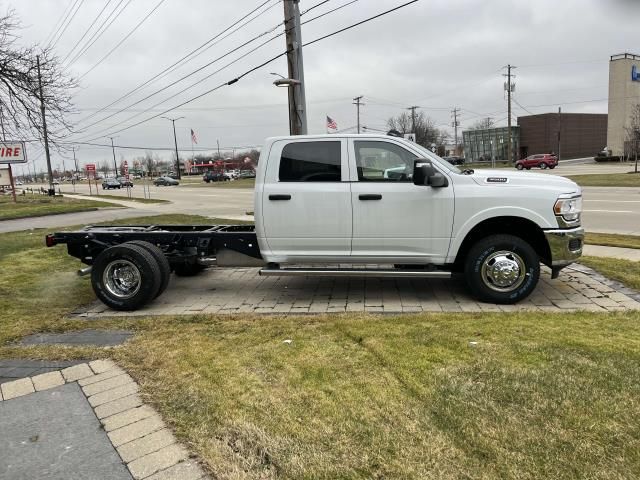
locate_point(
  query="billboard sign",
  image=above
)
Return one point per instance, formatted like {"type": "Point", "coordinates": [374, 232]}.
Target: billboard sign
{"type": "Point", "coordinates": [12, 152]}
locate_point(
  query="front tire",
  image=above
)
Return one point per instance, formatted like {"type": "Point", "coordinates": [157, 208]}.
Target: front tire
{"type": "Point", "coordinates": [502, 269]}
{"type": "Point", "coordinates": [519, 166]}
{"type": "Point", "coordinates": [125, 277]}
{"type": "Point", "coordinates": [543, 166]}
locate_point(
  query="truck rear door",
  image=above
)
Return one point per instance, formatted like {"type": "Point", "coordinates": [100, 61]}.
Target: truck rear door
{"type": "Point", "coordinates": [306, 200]}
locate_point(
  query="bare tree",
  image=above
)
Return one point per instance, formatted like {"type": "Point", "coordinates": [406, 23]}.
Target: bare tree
{"type": "Point", "coordinates": [632, 143]}
{"type": "Point", "coordinates": [426, 132]}
{"type": "Point", "coordinates": [483, 124]}
{"type": "Point", "coordinates": [19, 87]}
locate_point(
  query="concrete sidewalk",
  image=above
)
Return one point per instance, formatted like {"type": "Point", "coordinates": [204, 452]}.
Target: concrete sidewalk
{"type": "Point", "coordinates": [632, 254]}
{"type": "Point", "coordinates": [86, 421]}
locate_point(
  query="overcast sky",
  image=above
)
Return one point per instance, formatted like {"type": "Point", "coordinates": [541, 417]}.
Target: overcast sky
{"type": "Point", "coordinates": [437, 54]}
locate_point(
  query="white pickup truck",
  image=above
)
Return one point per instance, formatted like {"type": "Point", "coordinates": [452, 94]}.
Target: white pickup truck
{"type": "Point", "coordinates": [375, 205]}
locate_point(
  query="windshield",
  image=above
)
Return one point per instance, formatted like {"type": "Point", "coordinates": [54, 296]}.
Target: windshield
{"type": "Point", "coordinates": [429, 154]}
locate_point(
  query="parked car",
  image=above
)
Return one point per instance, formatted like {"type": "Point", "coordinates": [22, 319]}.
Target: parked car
{"type": "Point", "coordinates": [110, 183]}
{"type": "Point", "coordinates": [214, 177]}
{"type": "Point", "coordinates": [454, 160]}
{"type": "Point", "coordinates": [543, 161]}
{"type": "Point", "coordinates": [247, 174]}
{"type": "Point", "coordinates": [165, 182]}
{"type": "Point", "coordinates": [124, 182]}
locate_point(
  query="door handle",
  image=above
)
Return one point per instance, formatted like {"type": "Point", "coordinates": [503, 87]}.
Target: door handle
{"type": "Point", "coordinates": [279, 197]}
{"type": "Point", "coordinates": [373, 196]}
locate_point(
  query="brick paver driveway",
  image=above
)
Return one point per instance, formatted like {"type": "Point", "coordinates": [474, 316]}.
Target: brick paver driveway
{"type": "Point", "coordinates": [242, 290]}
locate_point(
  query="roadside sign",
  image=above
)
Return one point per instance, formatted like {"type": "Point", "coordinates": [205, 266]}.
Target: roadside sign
{"type": "Point", "coordinates": [410, 136]}
{"type": "Point", "coordinates": [12, 152]}
{"type": "Point", "coordinates": [91, 170]}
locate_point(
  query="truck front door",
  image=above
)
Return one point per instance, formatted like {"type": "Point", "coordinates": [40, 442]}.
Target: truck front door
{"type": "Point", "coordinates": [306, 200]}
{"type": "Point", "coordinates": [395, 221]}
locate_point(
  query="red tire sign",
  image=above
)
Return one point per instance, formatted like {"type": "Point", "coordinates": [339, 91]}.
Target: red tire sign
{"type": "Point", "coordinates": [12, 152]}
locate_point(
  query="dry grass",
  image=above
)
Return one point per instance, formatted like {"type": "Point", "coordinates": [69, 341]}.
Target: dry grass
{"type": "Point", "coordinates": [613, 240]}
{"type": "Point", "coordinates": [360, 396]}
{"type": "Point", "coordinates": [37, 205]}
{"type": "Point", "coordinates": [624, 271]}
{"type": "Point", "coordinates": [607, 180]}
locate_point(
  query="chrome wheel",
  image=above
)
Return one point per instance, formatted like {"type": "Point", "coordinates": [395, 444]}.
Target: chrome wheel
{"type": "Point", "coordinates": [122, 279]}
{"type": "Point", "coordinates": [503, 271]}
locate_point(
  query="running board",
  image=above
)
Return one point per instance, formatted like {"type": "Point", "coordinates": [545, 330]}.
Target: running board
{"type": "Point", "coordinates": [352, 272]}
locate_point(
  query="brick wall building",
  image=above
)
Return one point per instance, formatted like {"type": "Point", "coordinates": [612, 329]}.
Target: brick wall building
{"type": "Point", "coordinates": [581, 134]}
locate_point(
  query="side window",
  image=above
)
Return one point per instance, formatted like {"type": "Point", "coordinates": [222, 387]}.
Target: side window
{"type": "Point", "coordinates": [383, 162]}
{"type": "Point", "coordinates": [310, 162]}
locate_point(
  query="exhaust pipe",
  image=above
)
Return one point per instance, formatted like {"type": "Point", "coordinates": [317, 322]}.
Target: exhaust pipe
{"type": "Point", "coordinates": [84, 271]}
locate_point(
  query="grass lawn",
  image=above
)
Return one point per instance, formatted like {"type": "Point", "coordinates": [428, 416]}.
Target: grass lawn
{"type": "Point", "coordinates": [37, 205]}
{"type": "Point", "coordinates": [241, 183]}
{"type": "Point", "coordinates": [607, 180]}
{"type": "Point", "coordinates": [124, 197]}
{"type": "Point", "coordinates": [613, 240]}
{"type": "Point", "coordinates": [624, 271]}
{"type": "Point", "coordinates": [359, 396]}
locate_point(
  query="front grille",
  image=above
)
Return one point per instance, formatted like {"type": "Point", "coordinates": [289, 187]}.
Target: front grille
{"type": "Point", "coordinates": [575, 244]}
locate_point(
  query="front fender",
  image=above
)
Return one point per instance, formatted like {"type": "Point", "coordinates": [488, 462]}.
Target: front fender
{"type": "Point", "coordinates": [460, 231]}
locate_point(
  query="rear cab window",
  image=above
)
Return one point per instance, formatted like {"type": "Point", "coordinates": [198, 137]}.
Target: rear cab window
{"type": "Point", "coordinates": [311, 162]}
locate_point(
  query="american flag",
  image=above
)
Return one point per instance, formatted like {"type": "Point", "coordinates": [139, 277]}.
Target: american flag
{"type": "Point", "coordinates": [331, 123]}
{"type": "Point", "coordinates": [193, 136]}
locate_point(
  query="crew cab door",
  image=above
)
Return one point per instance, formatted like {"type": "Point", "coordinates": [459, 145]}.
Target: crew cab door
{"type": "Point", "coordinates": [395, 221]}
{"type": "Point", "coordinates": [306, 200]}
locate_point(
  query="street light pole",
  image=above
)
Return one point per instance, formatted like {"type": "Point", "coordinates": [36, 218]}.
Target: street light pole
{"type": "Point", "coordinates": [175, 142]}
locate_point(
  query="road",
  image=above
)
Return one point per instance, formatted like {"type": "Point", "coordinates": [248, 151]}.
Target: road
{"type": "Point", "coordinates": [606, 209]}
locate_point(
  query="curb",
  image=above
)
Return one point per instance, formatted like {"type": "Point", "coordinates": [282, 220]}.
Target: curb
{"type": "Point", "coordinates": [144, 443]}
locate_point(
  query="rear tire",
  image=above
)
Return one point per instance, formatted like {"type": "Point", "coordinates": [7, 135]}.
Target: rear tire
{"type": "Point", "coordinates": [543, 166]}
{"type": "Point", "coordinates": [502, 269]}
{"type": "Point", "coordinates": [163, 263]}
{"type": "Point", "coordinates": [125, 277]}
{"type": "Point", "coordinates": [552, 167]}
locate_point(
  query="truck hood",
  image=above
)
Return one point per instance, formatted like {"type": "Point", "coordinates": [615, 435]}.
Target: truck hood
{"type": "Point", "coordinates": [524, 179]}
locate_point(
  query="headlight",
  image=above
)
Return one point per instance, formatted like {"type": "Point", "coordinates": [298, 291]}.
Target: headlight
{"type": "Point", "coordinates": [568, 207]}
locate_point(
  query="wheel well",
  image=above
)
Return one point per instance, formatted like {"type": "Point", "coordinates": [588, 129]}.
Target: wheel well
{"type": "Point", "coordinates": [518, 226]}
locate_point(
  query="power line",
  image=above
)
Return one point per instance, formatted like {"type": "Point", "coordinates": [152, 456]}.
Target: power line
{"type": "Point", "coordinates": [131, 92]}
{"type": "Point", "coordinates": [123, 40]}
{"type": "Point", "coordinates": [263, 64]}
{"type": "Point", "coordinates": [86, 31]}
{"type": "Point", "coordinates": [55, 42]}
{"type": "Point", "coordinates": [100, 31]}
{"type": "Point", "coordinates": [185, 77]}
{"type": "Point", "coordinates": [181, 79]}
{"type": "Point", "coordinates": [523, 108]}
{"type": "Point", "coordinates": [54, 31]}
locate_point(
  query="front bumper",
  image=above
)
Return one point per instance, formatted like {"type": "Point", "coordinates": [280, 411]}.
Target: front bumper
{"type": "Point", "coordinates": [565, 245]}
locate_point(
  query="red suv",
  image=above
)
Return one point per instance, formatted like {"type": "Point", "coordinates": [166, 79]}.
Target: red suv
{"type": "Point", "coordinates": [543, 161]}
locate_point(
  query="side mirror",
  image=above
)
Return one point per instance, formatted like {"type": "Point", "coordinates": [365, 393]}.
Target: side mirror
{"type": "Point", "coordinates": [425, 174]}
{"type": "Point", "coordinates": [422, 170]}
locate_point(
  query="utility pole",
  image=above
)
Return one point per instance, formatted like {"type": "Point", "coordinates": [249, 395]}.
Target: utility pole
{"type": "Point", "coordinates": [455, 124]}
{"type": "Point", "coordinates": [52, 190]}
{"type": "Point", "coordinates": [559, 129]}
{"type": "Point", "coordinates": [413, 119]}
{"type": "Point", "coordinates": [115, 165]}
{"type": "Point", "coordinates": [175, 142]}
{"type": "Point", "coordinates": [358, 103]}
{"type": "Point", "coordinates": [297, 100]}
{"type": "Point", "coordinates": [509, 87]}
{"type": "Point", "coordinates": [75, 161]}
{"type": "Point", "coordinates": [218, 142]}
